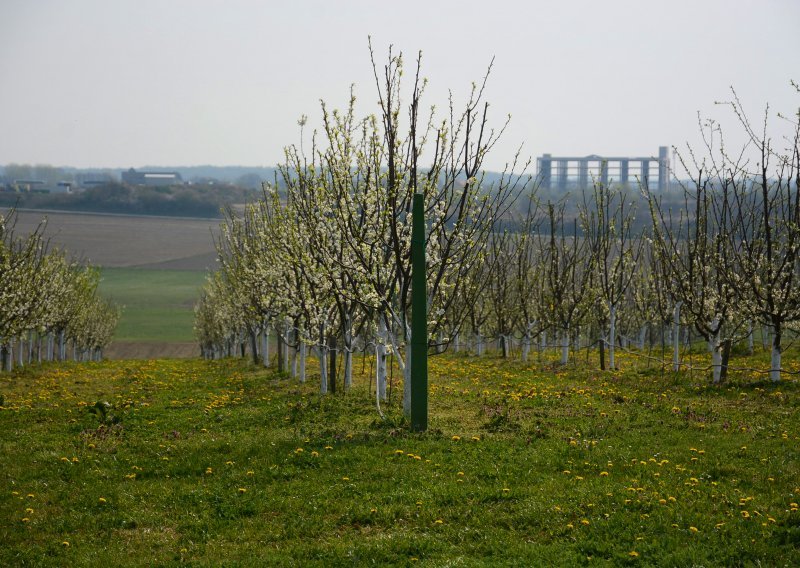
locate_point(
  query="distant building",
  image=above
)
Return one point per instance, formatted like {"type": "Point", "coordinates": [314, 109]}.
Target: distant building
{"type": "Point", "coordinates": [93, 179]}
{"type": "Point", "coordinates": [133, 177]}
{"type": "Point", "coordinates": [579, 172]}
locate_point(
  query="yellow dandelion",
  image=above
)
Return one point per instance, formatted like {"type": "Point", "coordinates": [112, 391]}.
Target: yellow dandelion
{"type": "Point", "coordinates": [102, 500]}
{"type": "Point", "coordinates": [603, 474]}
{"type": "Point", "coordinates": [399, 452]}
{"type": "Point", "coordinates": [438, 522]}
{"type": "Point", "coordinates": [633, 554]}
{"type": "Point", "coordinates": [694, 529]}
{"type": "Point", "coordinates": [584, 522]}
{"type": "Point", "coordinates": [242, 490]}
{"type": "Point", "coordinates": [29, 511]}
{"type": "Point", "coordinates": [251, 473]}
{"type": "Point", "coordinates": [65, 544]}
{"type": "Point", "coordinates": [456, 438]}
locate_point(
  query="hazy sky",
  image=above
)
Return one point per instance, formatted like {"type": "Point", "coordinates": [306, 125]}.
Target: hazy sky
{"type": "Point", "coordinates": [132, 82]}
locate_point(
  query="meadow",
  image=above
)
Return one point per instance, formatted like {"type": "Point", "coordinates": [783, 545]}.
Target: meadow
{"type": "Point", "coordinates": [219, 463]}
{"type": "Point", "coordinates": [157, 304]}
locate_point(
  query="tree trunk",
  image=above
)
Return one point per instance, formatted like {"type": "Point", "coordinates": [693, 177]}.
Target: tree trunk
{"type": "Point", "coordinates": [380, 360]}
{"type": "Point", "coordinates": [302, 348]}
{"type": "Point", "coordinates": [295, 352]}
{"type": "Point", "coordinates": [715, 347]}
{"type": "Point", "coordinates": [456, 342]}
{"type": "Point", "coordinates": [265, 346]}
{"type": "Point", "coordinates": [726, 356]}
{"type": "Point", "coordinates": [676, 335]}
{"type": "Point", "coordinates": [348, 354]}
{"type": "Point", "coordinates": [281, 350]}
{"type": "Point", "coordinates": [565, 347]}
{"type": "Point", "coordinates": [323, 361]}
{"type": "Point", "coordinates": [254, 347]}
{"type": "Point", "coordinates": [407, 380]}
{"type": "Point", "coordinates": [612, 334]}
{"type": "Point", "coordinates": [504, 345]}
{"type": "Point", "coordinates": [332, 364]}
{"type": "Point", "coordinates": [775, 366]}
{"type": "Point", "coordinates": [642, 337]}
{"type": "Point", "coordinates": [602, 348]}
{"type": "Point", "coordinates": [526, 343]}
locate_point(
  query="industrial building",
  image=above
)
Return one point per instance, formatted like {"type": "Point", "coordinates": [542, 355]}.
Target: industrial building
{"type": "Point", "coordinates": [564, 172]}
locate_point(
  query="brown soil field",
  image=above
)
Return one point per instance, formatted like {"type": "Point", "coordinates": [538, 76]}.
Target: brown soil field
{"type": "Point", "coordinates": [127, 241]}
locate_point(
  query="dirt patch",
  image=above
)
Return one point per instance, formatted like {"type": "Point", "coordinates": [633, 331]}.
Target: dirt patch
{"type": "Point", "coordinates": [138, 350]}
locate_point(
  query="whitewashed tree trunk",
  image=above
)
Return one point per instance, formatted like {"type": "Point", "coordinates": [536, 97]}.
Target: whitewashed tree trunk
{"type": "Point", "coordinates": [302, 348]}
{"type": "Point", "coordinates": [764, 336]}
{"type": "Point", "coordinates": [9, 356]}
{"type": "Point", "coordinates": [62, 345]}
{"type": "Point", "coordinates": [380, 360]}
{"type": "Point", "coordinates": [526, 342]}
{"type": "Point", "coordinates": [714, 345]}
{"type": "Point", "coordinates": [750, 338]}
{"type": "Point", "coordinates": [456, 342]}
{"type": "Point", "coordinates": [543, 341]}
{"type": "Point", "coordinates": [565, 347]}
{"type": "Point", "coordinates": [612, 335]}
{"type": "Point", "coordinates": [295, 353]}
{"type": "Point", "coordinates": [20, 352]}
{"type": "Point", "coordinates": [265, 346]}
{"type": "Point", "coordinates": [676, 334]}
{"type": "Point", "coordinates": [479, 343]}
{"type": "Point", "coordinates": [642, 336]}
{"type": "Point", "coordinates": [775, 366]}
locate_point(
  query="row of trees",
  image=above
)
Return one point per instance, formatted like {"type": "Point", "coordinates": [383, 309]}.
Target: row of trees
{"type": "Point", "coordinates": [48, 302]}
{"type": "Point", "coordinates": [331, 261]}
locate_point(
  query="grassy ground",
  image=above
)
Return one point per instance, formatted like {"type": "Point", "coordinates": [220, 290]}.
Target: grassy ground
{"type": "Point", "coordinates": [218, 463]}
{"type": "Point", "coordinates": [158, 304]}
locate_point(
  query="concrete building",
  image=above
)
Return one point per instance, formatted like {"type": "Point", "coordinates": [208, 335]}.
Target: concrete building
{"type": "Point", "coordinates": [133, 177]}
{"type": "Point", "coordinates": [565, 172]}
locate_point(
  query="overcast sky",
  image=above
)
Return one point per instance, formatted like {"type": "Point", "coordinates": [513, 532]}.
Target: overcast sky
{"type": "Point", "coordinates": [133, 82]}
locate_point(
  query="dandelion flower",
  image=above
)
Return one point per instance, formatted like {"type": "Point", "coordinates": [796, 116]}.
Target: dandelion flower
{"type": "Point", "coordinates": [102, 500]}
{"type": "Point", "coordinates": [584, 522]}
{"type": "Point", "coordinates": [65, 544]}
{"type": "Point", "coordinates": [694, 529]}
{"type": "Point", "coordinates": [633, 554]}
{"type": "Point", "coordinates": [456, 438]}
{"type": "Point", "coordinates": [242, 490]}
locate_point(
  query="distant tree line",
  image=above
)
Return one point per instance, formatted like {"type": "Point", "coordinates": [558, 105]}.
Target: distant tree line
{"type": "Point", "coordinates": [205, 200]}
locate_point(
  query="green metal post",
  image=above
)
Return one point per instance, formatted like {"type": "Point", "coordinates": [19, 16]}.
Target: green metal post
{"type": "Point", "coordinates": [419, 320]}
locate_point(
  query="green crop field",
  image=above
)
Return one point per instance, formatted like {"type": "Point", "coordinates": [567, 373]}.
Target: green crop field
{"type": "Point", "coordinates": [223, 464]}
{"type": "Point", "coordinates": [157, 304]}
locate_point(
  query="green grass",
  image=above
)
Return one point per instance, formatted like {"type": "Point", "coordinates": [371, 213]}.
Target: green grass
{"type": "Point", "coordinates": [219, 463]}
{"type": "Point", "coordinates": [157, 304]}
